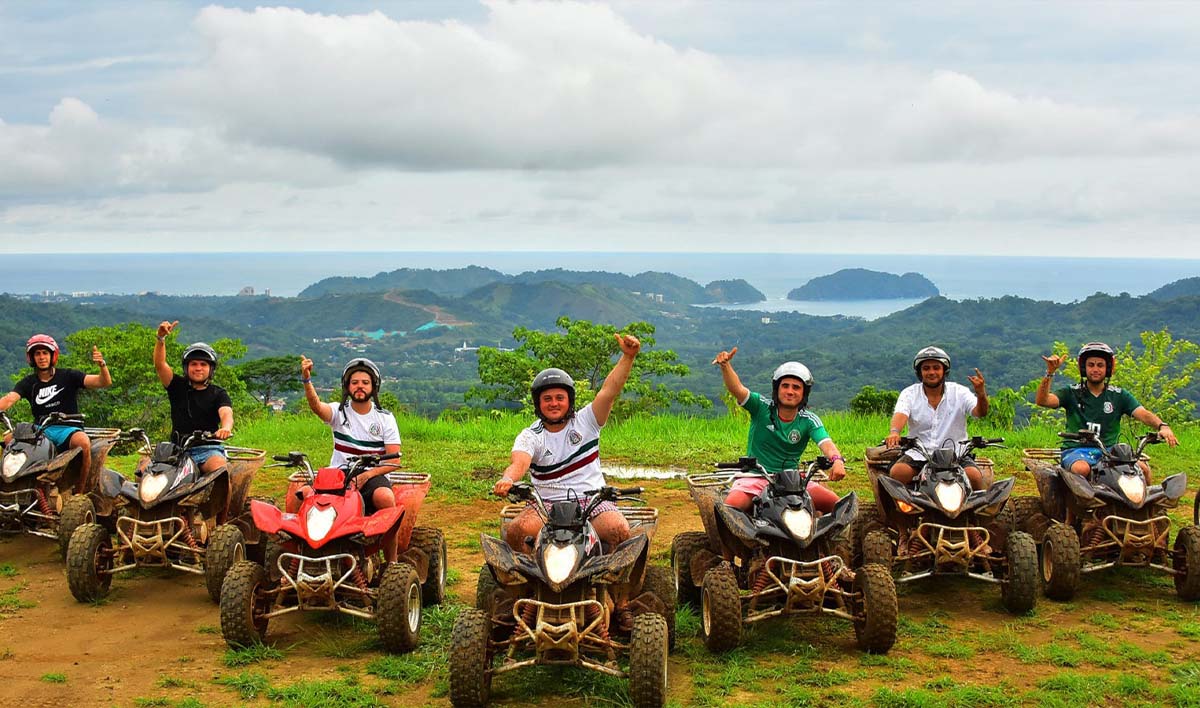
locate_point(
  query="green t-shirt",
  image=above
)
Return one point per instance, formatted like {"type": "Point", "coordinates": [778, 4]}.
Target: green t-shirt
{"type": "Point", "coordinates": [1104, 410]}
{"type": "Point", "coordinates": [778, 445]}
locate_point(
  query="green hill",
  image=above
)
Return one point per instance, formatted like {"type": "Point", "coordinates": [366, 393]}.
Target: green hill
{"type": "Point", "coordinates": [863, 284]}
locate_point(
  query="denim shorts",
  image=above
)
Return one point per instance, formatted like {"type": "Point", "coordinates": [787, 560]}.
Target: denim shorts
{"type": "Point", "coordinates": [202, 453]}
{"type": "Point", "coordinates": [60, 434]}
{"type": "Point", "coordinates": [1090, 455]}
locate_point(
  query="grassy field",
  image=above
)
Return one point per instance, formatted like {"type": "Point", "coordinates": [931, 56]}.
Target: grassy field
{"type": "Point", "coordinates": [1125, 640]}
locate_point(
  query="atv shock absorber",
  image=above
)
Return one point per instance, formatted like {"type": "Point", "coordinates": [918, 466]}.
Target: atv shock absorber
{"type": "Point", "coordinates": [189, 538]}
{"type": "Point", "coordinates": [1095, 535]}
{"type": "Point", "coordinates": [761, 580]}
{"type": "Point", "coordinates": [359, 579]}
{"type": "Point", "coordinates": [828, 574]}
{"type": "Point", "coordinates": [976, 539]}
{"type": "Point", "coordinates": [914, 544]}
{"type": "Point", "coordinates": [43, 503]}
{"type": "Point", "coordinates": [590, 613]}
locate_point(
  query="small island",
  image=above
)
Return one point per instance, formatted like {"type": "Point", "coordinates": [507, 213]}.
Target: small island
{"type": "Point", "coordinates": [863, 284]}
{"type": "Point", "coordinates": [734, 292]}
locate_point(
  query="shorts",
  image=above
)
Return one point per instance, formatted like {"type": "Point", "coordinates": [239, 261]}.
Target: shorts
{"type": "Point", "coordinates": [203, 453]}
{"type": "Point", "coordinates": [60, 434]}
{"type": "Point", "coordinates": [367, 491]}
{"type": "Point", "coordinates": [600, 508]}
{"type": "Point", "coordinates": [1090, 455]}
{"type": "Point", "coordinates": [755, 486]}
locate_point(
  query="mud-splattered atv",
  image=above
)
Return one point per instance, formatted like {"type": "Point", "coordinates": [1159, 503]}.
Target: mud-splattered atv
{"type": "Point", "coordinates": [173, 516]}
{"type": "Point", "coordinates": [329, 557]}
{"type": "Point", "coordinates": [1110, 518]}
{"type": "Point", "coordinates": [780, 559]}
{"type": "Point", "coordinates": [37, 482]}
{"type": "Point", "coordinates": [938, 525]}
{"type": "Point", "coordinates": [571, 603]}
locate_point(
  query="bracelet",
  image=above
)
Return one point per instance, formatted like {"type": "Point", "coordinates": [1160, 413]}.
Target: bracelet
{"type": "Point", "coordinates": [305, 381]}
{"type": "Point", "coordinates": [103, 364]}
{"type": "Point", "coordinates": [837, 458]}
{"type": "Point", "coordinates": [1162, 425]}
{"type": "Point", "coordinates": [895, 430]}
{"type": "Point", "coordinates": [162, 338]}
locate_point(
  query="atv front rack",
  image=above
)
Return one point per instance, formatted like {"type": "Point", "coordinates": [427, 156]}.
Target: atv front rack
{"type": "Point", "coordinates": [1138, 543]}
{"type": "Point", "coordinates": [804, 587]}
{"type": "Point", "coordinates": [317, 582]}
{"type": "Point", "coordinates": [1054, 454]}
{"type": "Point", "coordinates": [561, 634]}
{"type": "Point", "coordinates": [956, 546]}
{"type": "Point", "coordinates": [150, 545]}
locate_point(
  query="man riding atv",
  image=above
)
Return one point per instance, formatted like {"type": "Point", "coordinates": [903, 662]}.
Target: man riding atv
{"type": "Point", "coordinates": [52, 390]}
{"type": "Point", "coordinates": [780, 429]}
{"type": "Point", "coordinates": [1094, 404]}
{"type": "Point", "coordinates": [561, 451]}
{"type": "Point", "coordinates": [935, 410]}
{"type": "Point", "coordinates": [197, 404]}
{"type": "Point", "coordinates": [360, 427]}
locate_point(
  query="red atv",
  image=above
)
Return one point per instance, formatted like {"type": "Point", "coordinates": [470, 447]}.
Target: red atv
{"type": "Point", "coordinates": [328, 556]}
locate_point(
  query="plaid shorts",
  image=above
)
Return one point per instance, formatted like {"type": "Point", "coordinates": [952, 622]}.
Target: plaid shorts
{"type": "Point", "coordinates": [600, 508]}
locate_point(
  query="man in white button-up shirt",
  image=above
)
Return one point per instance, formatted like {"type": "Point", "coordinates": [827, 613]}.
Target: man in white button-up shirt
{"type": "Point", "coordinates": [935, 410]}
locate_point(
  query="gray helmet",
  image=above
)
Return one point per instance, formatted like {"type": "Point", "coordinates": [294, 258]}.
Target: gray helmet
{"type": "Point", "coordinates": [931, 354]}
{"type": "Point", "coordinates": [1099, 349]}
{"type": "Point", "coordinates": [361, 364]}
{"type": "Point", "coordinates": [552, 378]}
{"type": "Point", "coordinates": [795, 370]}
{"type": "Point", "coordinates": [200, 352]}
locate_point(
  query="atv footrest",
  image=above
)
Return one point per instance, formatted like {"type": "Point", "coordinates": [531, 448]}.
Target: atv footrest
{"type": "Point", "coordinates": [317, 582]}
{"type": "Point", "coordinates": [162, 543]}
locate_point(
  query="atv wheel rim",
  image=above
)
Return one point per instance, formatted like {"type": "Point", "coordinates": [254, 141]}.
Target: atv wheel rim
{"type": "Point", "coordinates": [414, 607]}
{"type": "Point", "coordinates": [442, 567]}
{"type": "Point", "coordinates": [706, 612]}
{"type": "Point", "coordinates": [239, 553]}
{"type": "Point", "coordinates": [675, 574]}
{"type": "Point", "coordinates": [1047, 562]}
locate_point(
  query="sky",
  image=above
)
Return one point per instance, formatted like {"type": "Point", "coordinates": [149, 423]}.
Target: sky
{"type": "Point", "coordinates": [675, 125]}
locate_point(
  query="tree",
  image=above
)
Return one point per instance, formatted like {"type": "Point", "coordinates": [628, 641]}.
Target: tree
{"type": "Point", "coordinates": [873, 401]}
{"type": "Point", "coordinates": [584, 350]}
{"type": "Point", "coordinates": [270, 376]}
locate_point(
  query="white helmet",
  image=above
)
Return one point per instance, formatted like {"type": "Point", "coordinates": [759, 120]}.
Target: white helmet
{"type": "Point", "coordinates": [797, 371]}
{"type": "Point", "coordinates": [931, 354]}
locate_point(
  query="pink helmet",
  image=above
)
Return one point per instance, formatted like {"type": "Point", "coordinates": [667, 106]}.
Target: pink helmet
{"type": "Point", "coordinates": [42, 340]}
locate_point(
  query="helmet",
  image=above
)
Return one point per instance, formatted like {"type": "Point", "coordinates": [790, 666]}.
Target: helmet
{"type": "Point", "coordinates": [42, 340]}
{"type": "Point", "coordinates": [1099, 349]}
{"type": "Point", "coordinates": [201, 352]}
{"type": "Point", "coordinates": [361, 364]}
{"type": "Point", "coordinates": [931, 354]}
{"type": "Point", "coordinates": [552, 378]}
{"type": "Point", "coordinates": [795, 370]}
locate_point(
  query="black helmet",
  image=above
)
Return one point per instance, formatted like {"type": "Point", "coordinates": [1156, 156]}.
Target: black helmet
{"type": "Point", "coordinates": [1099, 349]}
{"type": "Point", "coordinates": [931, 354]}
{"type": "Point", "coordinates": [553, 378]}
{"type": "Point", "coordinates": [361, 364]}
{"type": "Point", "coordinates": [795, 370]}
{"type": "Point", "coordinates": [200, 352]}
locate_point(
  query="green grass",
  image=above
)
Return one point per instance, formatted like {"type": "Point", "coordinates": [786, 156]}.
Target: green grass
{"type": "Point", "coordinates": [54, 678]}
{"type": "Point", "coordinates": [247, 684]}
{"type": "Point", "coordinates": [245, 656]}
{"type": "Point", "coordinates": [8, 570]}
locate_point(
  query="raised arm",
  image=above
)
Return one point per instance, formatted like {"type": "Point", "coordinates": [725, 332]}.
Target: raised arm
{"type": "Point", "coordinates": [323, 410]}
{"type": "Point", "coordinates": [981, 405]}
{"type": "Point", "coordinates": [8, 400]}
{"type": "Point", "coordinates": [161, 367]}
{"type": "Point", "coordinates": [615, 381]}
{"type": "Point", "coordinates": [732, 382]}
{"type": "Point", "coordinates": [101, 380]}
{"type": "Point", "coordinates": [1044, 398]}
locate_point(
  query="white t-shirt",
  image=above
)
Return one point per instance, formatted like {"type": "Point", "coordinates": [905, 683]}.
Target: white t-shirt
{"type": "Point", "coordinates": [361, 434]}
{"type": "Point", "coordinates": [933, 426]}
{"type": "Point", "coordinates": [566, 460]}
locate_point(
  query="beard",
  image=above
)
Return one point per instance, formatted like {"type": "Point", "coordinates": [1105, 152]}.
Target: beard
{"type": "Point", "coordinates": [360, 396]}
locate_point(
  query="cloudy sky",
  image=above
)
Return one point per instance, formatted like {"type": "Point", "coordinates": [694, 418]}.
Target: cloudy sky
{"type": "Point", "coordinates": [1014, 128]}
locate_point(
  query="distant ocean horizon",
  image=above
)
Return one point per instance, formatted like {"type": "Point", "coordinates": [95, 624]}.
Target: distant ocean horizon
{"type": "Point", "coordinates": [286, 274]}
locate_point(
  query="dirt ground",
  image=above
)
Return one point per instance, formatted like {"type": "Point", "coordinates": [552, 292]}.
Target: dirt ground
{"type": "Point", "coordinates": [157, 639]}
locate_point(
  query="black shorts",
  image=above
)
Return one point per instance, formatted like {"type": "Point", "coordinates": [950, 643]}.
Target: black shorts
{"type": "Point", "coordinates": [368, 490]}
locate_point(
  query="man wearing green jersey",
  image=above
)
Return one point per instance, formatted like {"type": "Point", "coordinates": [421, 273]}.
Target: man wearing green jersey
{"type": "Point", "coordinates": [1094, 404]}
{"type": "Point", "coordinates": [780, 428]}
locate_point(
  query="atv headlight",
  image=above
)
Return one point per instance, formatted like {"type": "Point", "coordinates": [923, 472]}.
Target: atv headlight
{"type": "Point", "coordinates": [151, 486]}
{"type": "Point", "coordinates": [950, 496]}
{"type": "Point", "coordinates": [1133, 487]}
{"type": "Point", "coordinates": [13, 464]}
{"type": "Point", "coordinates": [799, 523]}
{"type": "Point", "coordinates": [559, 561]}
{"type": "Point", "coordinates": [319, 521]}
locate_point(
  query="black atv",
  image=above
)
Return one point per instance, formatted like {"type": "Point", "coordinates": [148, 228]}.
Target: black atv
{"type": "Point", "coordinates": [38, 482]}
{"type": "Point", "coordinates": [173, 516]}
{"type": "Point", "coordinates": [1111, 517]}
{"type": "Point", "coordinates": [572, 602]}
{"type": "Point", "coordinates": [780, 559]}
{"type": "Point", "coordinates": [938, 525]}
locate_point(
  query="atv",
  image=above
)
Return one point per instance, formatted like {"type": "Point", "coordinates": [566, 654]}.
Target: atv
{"type": "Point", "coordinates": [172, 516]}
{"type": "Point", "coordinates": [329, 557]}
{"type": "Point", "coordinates": [38, 482]}
{"type": "Point", "coordinates": [1110, 517]}
{"type": "Point", "coordinates": [780, 559]}
{"type": "Point", "coordinates": [938, 525]}
{"type": "Point", "coordinates": [573, 602]}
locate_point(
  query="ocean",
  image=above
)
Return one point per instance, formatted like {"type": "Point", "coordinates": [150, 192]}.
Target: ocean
{"type": "Point", "coordinates": [286, 274]}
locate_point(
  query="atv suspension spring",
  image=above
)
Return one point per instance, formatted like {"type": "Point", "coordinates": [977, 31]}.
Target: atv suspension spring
{"type": "Point", "coordinates": [827, 572]}
{"type": "Point", "coordinates": [529, 614]}
{"type": "Point", "coordinates": [1095, 535]}
{"type": "Point", "coordinates": [976, 538]}
{"type": "Point", "coordinates": [914, 544]}
{"type": "Point", "coordinates": [359, 579]}
{"type": "Point", "coordinates": [590, 614]}
{"type": "Point", "coordinates": [43, 503]}
{"type": "Point", "coordinates": [189, 538]}
{"type": "Point", "coordinates": [761, 580]}
{"type": "Point", "coordinates": [295, 569]}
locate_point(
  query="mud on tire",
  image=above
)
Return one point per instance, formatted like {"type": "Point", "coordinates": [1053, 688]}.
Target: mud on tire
{"type": "Point", "coordinates": [648, 660]}
{"type": "Point", "coordinates": [877, 549]}
{"type": "Point", "coordinates": [683, 547]}
{"type": "Point", "coordinates": [88, 555]}
{"type": "Point", "coordinates": [242, 605]}
{"type": "Point", "coordinates": [866, 522]}
{"type": "Point", "coordinates": [720, 610]}
{"type": "Point", "coordinates": [398, 608]}
{"type": "Point", "coordinates": [1060, 562]}
{"type": "Point", "coordinates": [470, 659]}
{"type": "Point", "coordinates": [659, 582]}
{"type": "Point", "coordinates": [1187, 563]}
{"type": "Point", "coordinates": [78, 510]}
{"type": "Point", "coordinates": [1019, 590]}
{"type": "Point", "coordinates": [226, 547]}
{"type": "Point", "coordinates": [485, 591]}
{"type": "Point", "coordinates": [876, 631]}
{"type": "Point", "coordinates": [1029, 516]}
{"type": "Point", "coordinates": [433, 542]}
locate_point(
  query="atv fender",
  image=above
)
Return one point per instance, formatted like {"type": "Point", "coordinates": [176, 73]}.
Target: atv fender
{"type": "Point", "coordinates": [844, 512]}
{"type": "Point", "coordinates": [111, 483]}
{"type": "Point", "coordinates": [1078, 485]}
{"type": "Point", "coordinates": [739, 524]}
{"type": "Point", "coordinates": [509, 567]}
{"type": "Point", "coordinates": [992, 498]}
{"type": "Point", "coordinates": [619, 565]}
{"type": "Point", "coordinates": [899, 492]}
{"type": "Point", "coordinates": [267, 517]}
{"type": "Point", "coordinates": [1174, 486]}
{"type": "Point", "coordinates": [382, 521]}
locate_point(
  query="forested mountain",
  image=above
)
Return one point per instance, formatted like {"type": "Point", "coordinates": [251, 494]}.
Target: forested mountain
{"type": "Point", "coordinates": [1179, 288]}
{"type": "Point", "coordinates": [863, 284]}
